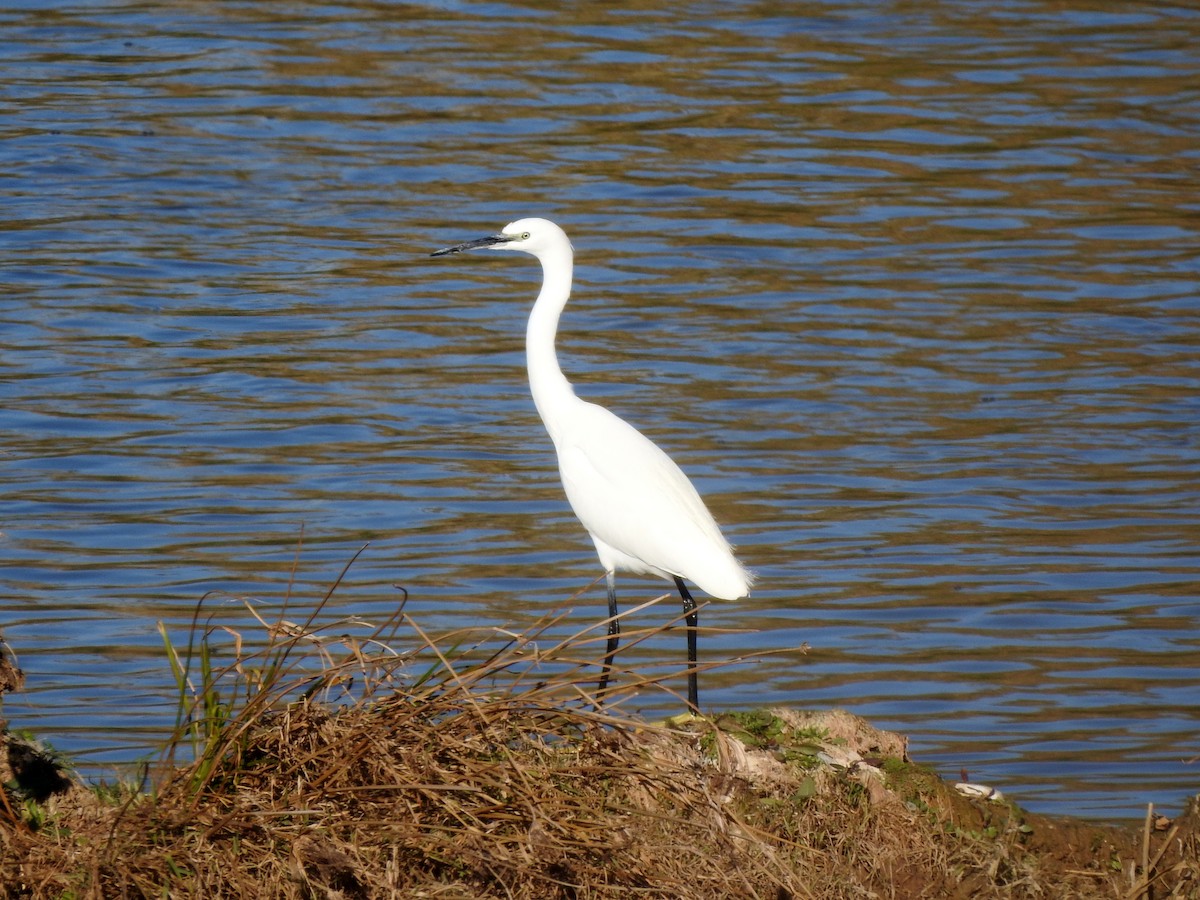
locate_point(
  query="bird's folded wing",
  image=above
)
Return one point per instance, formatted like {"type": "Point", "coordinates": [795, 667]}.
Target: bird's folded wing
{"type": "Point", "coordinates": [631, 495]}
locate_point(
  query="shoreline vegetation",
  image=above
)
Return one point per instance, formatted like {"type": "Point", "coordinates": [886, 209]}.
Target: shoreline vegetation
{"type": "Point", "coordinates": [322, 765]}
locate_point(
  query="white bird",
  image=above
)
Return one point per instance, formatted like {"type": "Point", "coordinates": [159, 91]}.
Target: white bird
{"type": "Point", "coordinates": [642, 512]}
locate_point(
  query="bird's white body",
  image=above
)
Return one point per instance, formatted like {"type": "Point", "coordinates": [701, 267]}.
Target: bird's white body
{"type": "Point", "coordinates": [642, 512]}
{"type": "Point", "coordinates": [664, 528]}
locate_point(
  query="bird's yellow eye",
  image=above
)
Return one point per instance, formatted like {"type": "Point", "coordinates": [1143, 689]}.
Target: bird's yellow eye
{"type": "Point", "coordinates": [524, 235]}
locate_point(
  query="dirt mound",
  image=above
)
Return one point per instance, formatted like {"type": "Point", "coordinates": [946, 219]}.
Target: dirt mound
{"type": "Point", "coordinates": [461, 784]}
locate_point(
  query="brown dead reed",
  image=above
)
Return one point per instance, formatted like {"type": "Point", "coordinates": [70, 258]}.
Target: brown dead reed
{"type": "Point", "coordinates": [394, 764]}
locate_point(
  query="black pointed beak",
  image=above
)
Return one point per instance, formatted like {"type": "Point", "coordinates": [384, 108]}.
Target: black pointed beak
{"type": "Point", "coordinates": [490, 241]}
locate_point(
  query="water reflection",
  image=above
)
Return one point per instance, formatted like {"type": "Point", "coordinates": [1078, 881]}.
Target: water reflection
{"type": "Point", "coordinates": [910, 292]}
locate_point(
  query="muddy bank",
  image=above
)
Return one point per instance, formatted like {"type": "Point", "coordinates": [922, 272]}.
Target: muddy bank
{"type": "Point", "coordinates": [473, 796]}
{"type": "Point", "coordinates": [463, 770]}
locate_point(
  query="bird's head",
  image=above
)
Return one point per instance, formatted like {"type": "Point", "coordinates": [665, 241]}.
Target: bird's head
{"type": "Point", "coordinates": [536, 236]}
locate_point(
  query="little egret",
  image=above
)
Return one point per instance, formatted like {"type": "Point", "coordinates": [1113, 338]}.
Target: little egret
{"type": "Point", "coordinates": [642, 512]}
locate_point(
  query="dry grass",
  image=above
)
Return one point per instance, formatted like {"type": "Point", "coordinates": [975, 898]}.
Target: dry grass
{"type": "Point", "coordinates": [331, 767]}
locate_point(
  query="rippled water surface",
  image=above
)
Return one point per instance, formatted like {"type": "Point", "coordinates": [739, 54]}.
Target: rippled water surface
{"type": "Point", "coordinates": [910, 290]}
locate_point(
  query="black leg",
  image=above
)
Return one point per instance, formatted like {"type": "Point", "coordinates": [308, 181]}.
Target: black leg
{"type": "Point", "coordinates": [614, 635]}
{"type": "Point", "coordinates": [692, 619]}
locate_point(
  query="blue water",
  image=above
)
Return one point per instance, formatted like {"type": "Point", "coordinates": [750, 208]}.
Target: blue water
{"type": "Point", "coordinates": [911, 292]}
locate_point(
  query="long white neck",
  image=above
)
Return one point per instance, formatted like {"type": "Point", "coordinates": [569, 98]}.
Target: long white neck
{"type": "Point", "coordinates": [550, 388]}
